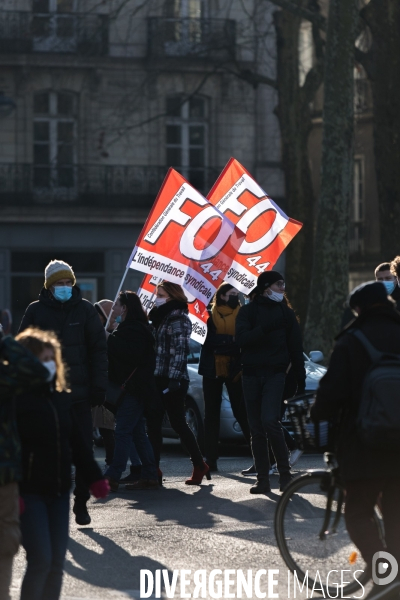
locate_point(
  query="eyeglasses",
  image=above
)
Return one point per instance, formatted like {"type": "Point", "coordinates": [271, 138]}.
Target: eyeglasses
{"type": "Point", "coordinates": [280, 284]}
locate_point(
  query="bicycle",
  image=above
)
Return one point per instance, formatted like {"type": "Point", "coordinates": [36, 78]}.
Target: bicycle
{"type": "Point", "coordinates": [309, 521]}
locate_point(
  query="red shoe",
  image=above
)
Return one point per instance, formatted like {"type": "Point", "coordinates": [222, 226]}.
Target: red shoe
{"type": "Point", "coordinates": [198, 474]}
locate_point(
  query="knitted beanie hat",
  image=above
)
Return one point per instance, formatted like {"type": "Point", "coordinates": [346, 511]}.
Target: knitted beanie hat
{"type": "Point", "coordinates": [56, 270]}
{"type": "Point", "coordinates": [266, 279]}
{"type": "Point", "coordinates": [367, 294]}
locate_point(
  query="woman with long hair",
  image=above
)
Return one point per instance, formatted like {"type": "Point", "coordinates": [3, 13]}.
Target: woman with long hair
{"type": "Point", "coordinates": [219, 365]}
{"type": "Point", "coordinates": [48, 447]}
{"type": "Point", "coordinates": [173, 329]}
{"type": "Point", "coordinates": [131, 360]}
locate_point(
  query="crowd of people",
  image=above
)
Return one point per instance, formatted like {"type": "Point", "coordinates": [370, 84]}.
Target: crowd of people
{"type": "Point", "coordinates": [74, 365]}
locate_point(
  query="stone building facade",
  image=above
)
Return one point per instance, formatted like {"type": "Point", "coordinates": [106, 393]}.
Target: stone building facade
{"type": "Point", "coordinates": [105, 97]}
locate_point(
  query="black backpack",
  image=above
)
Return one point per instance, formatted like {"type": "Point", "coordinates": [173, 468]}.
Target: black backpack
{"type": "Point", "coordinates": [378, 419]}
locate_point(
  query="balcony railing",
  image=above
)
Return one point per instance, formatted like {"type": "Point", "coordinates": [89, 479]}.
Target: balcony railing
{"type": "Point", "coordinates": [75, 33]}
{"type": "Point", "coordinates": [195, 38]}
{"type": "Point", "coordinates": [96, 186]}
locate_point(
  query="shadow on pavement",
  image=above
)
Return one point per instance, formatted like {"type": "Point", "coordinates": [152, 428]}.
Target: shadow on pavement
{"type": "Point", "coordinates": [202, 508]}
{"type": "Point", "coordinates": [112, 568]}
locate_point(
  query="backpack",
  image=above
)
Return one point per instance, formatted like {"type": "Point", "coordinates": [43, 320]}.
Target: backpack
{"type": "Point", "coordinates": [378, 418]}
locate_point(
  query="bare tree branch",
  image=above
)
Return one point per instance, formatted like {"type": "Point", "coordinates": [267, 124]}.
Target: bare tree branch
{"type": "Point", "coordinates": [252, 77]}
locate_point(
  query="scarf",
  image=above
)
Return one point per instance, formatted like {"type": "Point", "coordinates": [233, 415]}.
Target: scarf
{"type": "Point", "coordinates": [224, 318]}
{"type": "Point", "coordinates": [157, 315]}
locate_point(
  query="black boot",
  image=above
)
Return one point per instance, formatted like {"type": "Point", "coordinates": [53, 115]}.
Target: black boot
{"type": "Point", "coordinates": [212, 464]}
{"type": "Point", "coordinates": [134, 475]}
{"type": "Point", "coordinates": [284, 481]}
{"type": "Point", "coordinates": [250, 471]}
{"type": "Point", "coordinates": [261, 487]}
{"type": "Point", "coordinates": [82, 516]}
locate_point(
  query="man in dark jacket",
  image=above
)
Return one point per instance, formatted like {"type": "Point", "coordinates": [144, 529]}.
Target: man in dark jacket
{"type": "Point", "coordinates": [62, 309]}
{"type": "Point", "coordinates": [269, 336]}
{"type": "Point", "coordinates": [368, 474]}
{"type": "Point", "coordinates": [388, 274]}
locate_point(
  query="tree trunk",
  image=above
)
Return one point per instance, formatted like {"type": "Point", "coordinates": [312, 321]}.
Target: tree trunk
{"type": "Point", "coordinates": [294, 117]}
{"type": "Point", "coordinates": [383, 19]}
{"type": "Point", "coordinates": [330, 273]}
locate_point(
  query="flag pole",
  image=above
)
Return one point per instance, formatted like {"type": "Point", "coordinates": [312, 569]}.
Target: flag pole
{"type": "Point", "coordinates": [120, 285]}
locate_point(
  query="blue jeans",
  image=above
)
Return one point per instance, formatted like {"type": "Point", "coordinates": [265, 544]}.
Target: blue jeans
{"type": "Point", "coordinates": [263, 397]}
{"type": "Point", "coordinates": [130, 427]}
{"type": "Point", "coordinates": [44, 528]}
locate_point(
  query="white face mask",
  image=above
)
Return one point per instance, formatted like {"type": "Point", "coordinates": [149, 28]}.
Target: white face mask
{"type": "Point", "coordinates": [277, 297]}
{"type": "Point", "coordinates": [160, 301]}
{"type": "Point", "coordinates": [52, 369]}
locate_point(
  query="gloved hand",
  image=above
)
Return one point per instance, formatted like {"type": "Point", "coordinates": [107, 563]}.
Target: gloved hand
{"type": "Point", "coordinates": [100, 488]}
{"type": "Point", "coordinates": [97, 397]}
{"type": "Point", "coordinates": [174, 385]}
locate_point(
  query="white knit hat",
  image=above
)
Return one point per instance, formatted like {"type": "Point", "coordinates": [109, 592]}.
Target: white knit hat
{"type": "Point", "coordinates": [56, 270]}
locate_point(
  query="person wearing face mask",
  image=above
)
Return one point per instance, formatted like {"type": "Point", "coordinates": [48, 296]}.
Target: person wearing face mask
{"type": "Point", "coordinates": [48, 447]}
{"type": "Point", "coordinates": [104, 309]}
{"type": "Point", "coordinates": [173, 329]}
{"type": "Point", "coordinates": [20, 371]}
{"type": "Point", "coordinates": [219, 365]}
{"type": "Point", "coordinates": [131, 359]}
{"type": "Point", "coordinates": [62, 309]}
{"type": "Point", "coordinates": [388, 274]}
{"type": "Point", "coordinates": [269, 336]}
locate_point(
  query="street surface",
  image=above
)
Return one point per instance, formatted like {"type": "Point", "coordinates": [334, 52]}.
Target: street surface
{"type": "Point", "coordinates": [216, 526]}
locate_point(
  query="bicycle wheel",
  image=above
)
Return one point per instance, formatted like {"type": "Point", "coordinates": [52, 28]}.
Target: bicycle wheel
{"type": "Point", "coordinates": [317, 554]}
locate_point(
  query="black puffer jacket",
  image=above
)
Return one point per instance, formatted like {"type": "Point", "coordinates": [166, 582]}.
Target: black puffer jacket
{"type": "Point", "coordinates": [270, 338]}
{"type": "Point", "coordinates": [131, 345]}
{"type": "Point", "coordinates": [44, 427]}
{"type": "Point", "coordinates": [82, 336]}
{"type": "Point", "coordinates": [339, 393]}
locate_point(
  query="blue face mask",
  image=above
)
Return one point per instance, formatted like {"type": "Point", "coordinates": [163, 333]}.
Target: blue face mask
{"type": "Point", "coordinates": [389, 285]}
{"type": "Point", "coordinates": [118, 319]}
{"type": "Point", "coordinates": [62, 292]}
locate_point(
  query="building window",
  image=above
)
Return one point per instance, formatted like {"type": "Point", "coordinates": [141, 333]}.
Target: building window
{"type": "Point", "coordinates": [186, 138]}
{"type": "Point", "coordinates": [358, 207]}
{"type": "Point", "coordinates": [54, 25]}
{"type": "Point", "coordinates": [361, 90]}
{"type": "Point", "coordinates": [305, 50]}
{"type": "Point", "coordinates": [184, 9]}
{"type": "Point", "coordinates": [54, 134]}
{"type": "Point", "coordinates": [183, 31]}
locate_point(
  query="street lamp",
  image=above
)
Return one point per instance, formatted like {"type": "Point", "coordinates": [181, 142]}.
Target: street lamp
{"type": "Point", "coordinates": [7, 105]}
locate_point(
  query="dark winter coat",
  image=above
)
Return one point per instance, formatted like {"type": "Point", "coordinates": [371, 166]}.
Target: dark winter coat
{"type": "Point", "coordinates": [396, 296]}
{"type": "Point", "coordinates": [82, 336]}
{"type": "Point", "coordinates": [20, 371]}
{"type": "Point", "coordinates": [216, 343]}
{"type": "Point", "coordinates": [44, 427]}
{"type": "Point", "coordinates": [270, 339]}
{"type": "Point", "coordinates": [131, 346]}
{"type": "Point", "coordinates": [339, 393]}
{"type": "Point", "coordinates": [173, 331]}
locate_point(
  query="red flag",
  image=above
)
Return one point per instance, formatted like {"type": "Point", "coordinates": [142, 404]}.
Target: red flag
{"type": "Point", "coordinates": [268, 230]}
{"type": "Point", "coordinates": [186, 240]}
{"type": "Point", "coordinates": [197, 310]}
